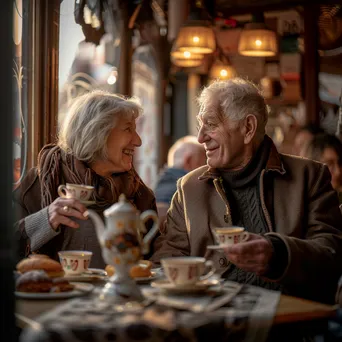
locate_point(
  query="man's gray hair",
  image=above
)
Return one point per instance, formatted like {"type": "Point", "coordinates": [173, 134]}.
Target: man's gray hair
{"type": "Point", "coordinates": [90, 120]}
{"type": "Point", "coordinates": [183, 146]}
{"type": "Point", "coordinates": [237, 98]}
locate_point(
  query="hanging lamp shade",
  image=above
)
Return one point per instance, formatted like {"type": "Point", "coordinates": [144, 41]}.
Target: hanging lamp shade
{"type": "Point", "coordinates": [257, 40]}
{"type": "Point", "coordinates": [221, 71]}
{"type": "Point", "coordinates": [186, 59]}
{"type": "Point", "coordinates": [196, 36]}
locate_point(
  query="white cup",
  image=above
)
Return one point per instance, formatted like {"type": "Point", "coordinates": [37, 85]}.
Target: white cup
{"type": "Point", "coordinates": [187, 270]}
{"type": "Point", "coordinates": [229, 235]}
{"type": "Point", "coordinates": [75, 262]}
{"type": "Point", "coordinates": [78, 191]}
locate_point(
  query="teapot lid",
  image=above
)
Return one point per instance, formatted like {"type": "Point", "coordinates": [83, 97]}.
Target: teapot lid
{"type": "Point", "coordinates": [122, 206]}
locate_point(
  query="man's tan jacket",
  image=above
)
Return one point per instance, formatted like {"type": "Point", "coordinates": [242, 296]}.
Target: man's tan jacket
{"type": "Point", "coordinates": [299, 205]}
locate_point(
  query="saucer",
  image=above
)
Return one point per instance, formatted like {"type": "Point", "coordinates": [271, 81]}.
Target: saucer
{"type": "Point", "coordinates": [79, 290]}
{"type": "Point", "coordinates": [88, 203]}
{"type": "Point", "coordinates": [200, 286]}
{"type": "Point", "coordinates": [93, 274]}
{"type": "Point", "coordinates": [217, 246]}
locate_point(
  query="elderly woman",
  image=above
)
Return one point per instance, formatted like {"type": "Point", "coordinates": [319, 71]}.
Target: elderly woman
{"type": "Point", "coordinates": [96, 145]}
{"type": "Point", "coordinates": [327, 149]}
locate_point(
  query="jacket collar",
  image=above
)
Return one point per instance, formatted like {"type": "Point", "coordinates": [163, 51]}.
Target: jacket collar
{"type": "Point", "coordinates": [274, 163]}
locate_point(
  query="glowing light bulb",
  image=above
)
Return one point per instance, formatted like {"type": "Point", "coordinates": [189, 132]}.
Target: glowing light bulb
{"type": "Point", "coordinates": [111, 79]}
{"type": "Point", "coordinates": [187, 54]}
{"type": "Point", "coordinates": [224, 73]}
{"type": "Point", "coordinates": [258, 42]}
{"type": "Point", "coordinates": [195, 39]}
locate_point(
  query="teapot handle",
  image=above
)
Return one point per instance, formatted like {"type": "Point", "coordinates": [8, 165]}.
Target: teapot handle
{"type": "Point", "coordinates": [146, 215]}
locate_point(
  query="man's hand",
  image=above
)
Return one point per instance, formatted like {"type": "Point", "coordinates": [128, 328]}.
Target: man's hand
{"type": "Point", "coordinates": [254, 255]}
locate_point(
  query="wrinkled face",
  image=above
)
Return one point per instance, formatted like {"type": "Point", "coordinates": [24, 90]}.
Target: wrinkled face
{"type": "Point", "coordinates": [222, 139]}
{"type": "Point", "coordinates": [330, 158]}
{"type": "Point", "coordinates": [121, 145]}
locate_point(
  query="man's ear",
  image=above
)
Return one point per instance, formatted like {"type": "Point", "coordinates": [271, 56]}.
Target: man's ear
{"type": "Point", "coordinates": [250, 128]}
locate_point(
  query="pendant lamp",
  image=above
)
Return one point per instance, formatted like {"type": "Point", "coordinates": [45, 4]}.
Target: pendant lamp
{"type": "Point", "coordinates": [257, 40]}
{"type": "Point", "coordinates": [196, 35]}
{"type": "Point", "coordinates": [221, 71]}
{"type": "Point", "coordinates": [186, 59]}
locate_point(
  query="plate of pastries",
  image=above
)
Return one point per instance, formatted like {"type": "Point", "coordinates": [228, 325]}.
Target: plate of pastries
{"type": "Point", "coordinates": [40, 277]}
{"type": "Point", "coordinates": [142, 272]}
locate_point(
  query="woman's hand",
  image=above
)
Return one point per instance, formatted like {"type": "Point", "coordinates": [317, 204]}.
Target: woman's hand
{"type": "Point", "coordinates": [253, 255]}
{"type": "Point", "coordinates": [61, 209]}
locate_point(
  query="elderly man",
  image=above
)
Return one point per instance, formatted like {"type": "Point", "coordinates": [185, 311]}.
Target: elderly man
{"type": "Point", "coordinates": [286, 203]}
{"type": "Point", "coordinates": [185, 155]}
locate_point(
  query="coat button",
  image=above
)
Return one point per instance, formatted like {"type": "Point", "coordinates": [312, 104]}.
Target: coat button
{"type": "Point", "coordinates": [223, 262]}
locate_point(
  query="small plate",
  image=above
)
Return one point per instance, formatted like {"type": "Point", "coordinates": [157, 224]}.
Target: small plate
{"type": "Point", "coordinates": [217, 246]}
{"type": "Point", "coordinates": [200, 286]}
{"type": "Point", "coordinates": [88, 203]}
{"type": "Point", "coordinates": [142, 280]}
{"type": "Point", "coordinates": [93, 274]}
{"type": "Point", "coordinates": [80, 289]}
{"type": "Point", "coordinates": [97, 271]}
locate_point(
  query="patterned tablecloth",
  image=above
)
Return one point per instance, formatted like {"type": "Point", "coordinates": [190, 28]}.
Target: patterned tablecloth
{"type": "Point", "coordinates": [243, 315]}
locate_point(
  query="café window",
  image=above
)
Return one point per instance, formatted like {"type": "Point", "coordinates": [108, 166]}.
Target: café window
{"type": "Point", "coordinates": [85, 65]}
{"type": "Point", "coordinates": [145, 86]}
{"type": "Point", "coordinates": [19, 67]}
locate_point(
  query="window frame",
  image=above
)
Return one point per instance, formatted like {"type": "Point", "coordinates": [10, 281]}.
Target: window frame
{"type": "Point", "coordinates": [41, 76]}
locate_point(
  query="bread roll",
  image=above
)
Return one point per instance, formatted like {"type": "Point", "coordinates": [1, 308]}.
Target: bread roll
{"type": "Point", "coordinates": [61, 285]}
{"type": "Point", "coordinates": [142, 269]}
{"type": "Point", "coordinates": [110, 270]}
{"type": "Point", "coordinates": [51, 267]}
{"type": "Point", "coordinates": [34, 281]}
{"type": "Point", "coordinates": [38, 256]}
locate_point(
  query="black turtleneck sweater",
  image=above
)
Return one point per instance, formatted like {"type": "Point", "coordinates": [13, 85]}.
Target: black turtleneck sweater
{"type": "Point", "coordinates": [242, 191]}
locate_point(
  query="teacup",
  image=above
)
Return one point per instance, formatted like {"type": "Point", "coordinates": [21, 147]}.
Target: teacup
{"type": "Point", "coordinates": [75, 262]}
{"type": "Point", "coordinates": [229, 235]}
{"type": "Point", "coordinates": [78, 191]}
{"type": "Point", "coordinates": [186, 270]}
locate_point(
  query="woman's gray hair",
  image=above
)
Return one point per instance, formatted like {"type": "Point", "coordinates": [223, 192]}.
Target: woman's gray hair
{"type": "Point", "coordinates": [237, 98]}
{"type": "Point", "coordinates": [89, 122]}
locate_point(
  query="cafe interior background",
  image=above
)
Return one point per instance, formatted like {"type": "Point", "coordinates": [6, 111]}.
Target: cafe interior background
{"type": "Point", "coordinates": [136, 47]}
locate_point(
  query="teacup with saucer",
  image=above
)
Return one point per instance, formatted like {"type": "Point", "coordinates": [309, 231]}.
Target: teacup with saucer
{"type": "Point", "coordinates": [79, 191]}
{"type": "Point", "coordinates": [186, 274]}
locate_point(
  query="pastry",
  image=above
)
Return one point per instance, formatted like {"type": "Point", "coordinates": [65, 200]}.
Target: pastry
{"type": "Point", "coordinates": [34, 281]}
{"type": "Point", "coordinates": [110, 270]}
{"type": "Point", "coordinates": [61, 285]}
{"type": "Point", "coordinates": [38, 256]}
{"type": "Point", "coordinates": [51, 267]}
{"type": "Point", "coordinates": [142, 269]}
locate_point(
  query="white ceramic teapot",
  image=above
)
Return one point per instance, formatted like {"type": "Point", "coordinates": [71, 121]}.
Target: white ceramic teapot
{"type": "Point", "coordinates": [121, 238]}
{"type": "Point", "coordinates": [122, 246]}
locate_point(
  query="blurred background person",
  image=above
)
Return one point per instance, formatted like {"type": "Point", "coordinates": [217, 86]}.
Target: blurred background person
{"type": "Point", "coordinates": [185, 155]}
{"type": "Point", "coordinates": [303, 139]}
{"type": "Point", "coordinates": [327, 149]}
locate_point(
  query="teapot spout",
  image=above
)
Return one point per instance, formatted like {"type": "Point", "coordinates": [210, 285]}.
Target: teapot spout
{"type": "Point", "coordinates": [99, 225]}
